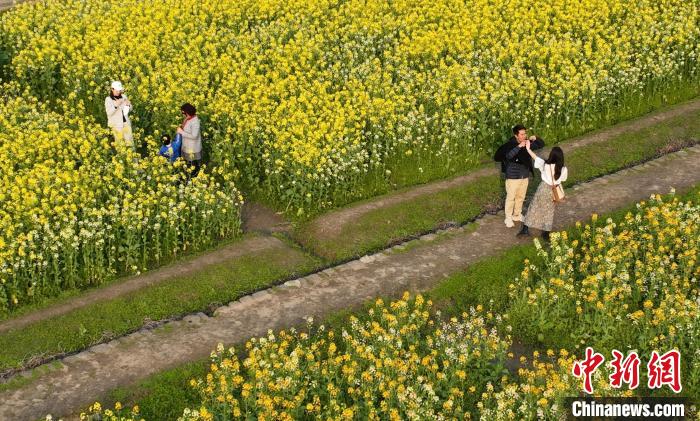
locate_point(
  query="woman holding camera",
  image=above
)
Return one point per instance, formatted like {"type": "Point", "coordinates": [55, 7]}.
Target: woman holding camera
{"type": "Point", "coordinates": [118, 106]}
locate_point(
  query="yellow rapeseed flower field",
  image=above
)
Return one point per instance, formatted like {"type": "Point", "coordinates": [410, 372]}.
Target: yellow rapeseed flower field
{"type": "Point", "coordinates": [401, 362]}
{"type": "Point", "coordinates": [312, 100]}
{"type": "Point", "coordinates": [627, 284]}
{"type": "Point", "coordinates": [404, 360]}
{"type": "Point", "coordinates": [540, 390]}
{"type": "Point", "coordinates": [74, 212]}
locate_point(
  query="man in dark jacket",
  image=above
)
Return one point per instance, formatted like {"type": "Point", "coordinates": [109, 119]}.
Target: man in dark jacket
{"type": "Point", "coordinates": [517, 165]}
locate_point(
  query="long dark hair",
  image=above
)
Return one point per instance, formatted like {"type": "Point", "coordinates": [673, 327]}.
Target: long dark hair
{"type": "Point", "coordinates": [556, 157]}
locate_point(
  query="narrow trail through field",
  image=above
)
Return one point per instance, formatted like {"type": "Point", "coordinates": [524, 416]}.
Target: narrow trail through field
{"type": "Point", "coordinates": [332, 223]}
{"type": "Point", "coordinates": [87, 376]}
{"type": "Point", "coordinates": [248, 246]}
{"type": "Point", "coordinates": [8, 4]}
{"type": "Point", "coordinates": [264, 222]}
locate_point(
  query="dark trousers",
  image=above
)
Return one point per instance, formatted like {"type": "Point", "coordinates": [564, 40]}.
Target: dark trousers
{"type": "Point", "coordinates": [193, 168]}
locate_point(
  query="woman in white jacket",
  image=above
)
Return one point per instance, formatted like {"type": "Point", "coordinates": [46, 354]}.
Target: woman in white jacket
{"type": "Point", "coordinates": [191, 138]}
{"type": "Point", "coordinates": [117, 106]}
{"type": "Point", "coordinates": [540, 212]}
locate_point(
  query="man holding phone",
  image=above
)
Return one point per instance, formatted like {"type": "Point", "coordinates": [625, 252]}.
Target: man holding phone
{"type": "Point", "coordinates": [517, 165]}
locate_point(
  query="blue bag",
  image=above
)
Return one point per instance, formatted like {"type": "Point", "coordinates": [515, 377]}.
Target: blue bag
{"type": "Point", "coordinates": [177, 147]}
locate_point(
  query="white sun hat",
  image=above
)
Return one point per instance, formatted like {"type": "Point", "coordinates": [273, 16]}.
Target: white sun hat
{"type": "Point", "coordinates": [117, 86]}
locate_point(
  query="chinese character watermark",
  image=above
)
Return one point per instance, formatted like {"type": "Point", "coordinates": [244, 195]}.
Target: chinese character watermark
{"type": "Point", "coordinates": [662, 370]}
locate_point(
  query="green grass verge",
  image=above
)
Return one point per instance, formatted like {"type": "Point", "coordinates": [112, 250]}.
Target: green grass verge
{"type": "Point", "coordinates": [485, 282]}
{"type": "Point", "coordinates": [66, 295]}
{"type": "Point", "coordinates": [631, 148]}
{"type": "Point", "coordinates": [165, 395]}
{"type": "Point", "coordinates": [374, 230]}
{"type": "Point", "coordinates": [380, 227]}
{"type": "Point", "coordinates": [212, 286]}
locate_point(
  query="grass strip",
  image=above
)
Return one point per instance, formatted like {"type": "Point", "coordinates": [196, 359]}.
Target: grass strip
{"type": "Point", "coordinates": [375, 230]}
{"type": "Point", "coordinates": [165, 395]}
{"type": "Point", "coordinates": [212, 287]}
{"type": "Point", "coordinates": [65, 295]}
{"type": "Point", "coordinates": [395, 223]}
{"type": "Point", "coordinates": [378, 228]}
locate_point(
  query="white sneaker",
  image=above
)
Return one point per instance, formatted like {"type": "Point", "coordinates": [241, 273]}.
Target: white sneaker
{"type": "Point", "coordinates": [518, 218]}
{"type": "Point", "coordinates": [509, 223]}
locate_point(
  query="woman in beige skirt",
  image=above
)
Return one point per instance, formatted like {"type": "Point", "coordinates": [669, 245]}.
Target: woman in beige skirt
{"type": "Point", "coordinates": [540, 212]}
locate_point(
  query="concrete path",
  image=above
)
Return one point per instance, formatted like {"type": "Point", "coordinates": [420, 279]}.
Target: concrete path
{"type": "Point", "coordinates": [87, 376]}
{"type": "Point", "coordinates": [263, 221]}
{"type": "Point", "coordinates": [8, 4]}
